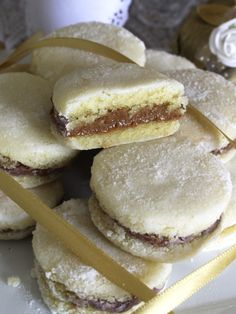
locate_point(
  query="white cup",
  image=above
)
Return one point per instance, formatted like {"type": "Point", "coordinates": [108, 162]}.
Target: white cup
{"type": "Point", "coordinates": [48, 15]}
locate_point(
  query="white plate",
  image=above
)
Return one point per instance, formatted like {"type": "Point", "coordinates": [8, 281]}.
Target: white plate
{"type": "Point", "coordinates": [16, 259]}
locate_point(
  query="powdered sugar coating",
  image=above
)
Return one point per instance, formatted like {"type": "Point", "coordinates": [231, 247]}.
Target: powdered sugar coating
{"type": "Point", "coordinates": [215, 97]}
{"type": "Point", "coordinates": [62, 266]}
{"type": "Point", "coordinates": [52, 63]}
{"type": "Point", "coordinates": [163, 61]}
{"type": "Point", "coordinates": [160, 186]}
{"type": "Point", "coordinates": [25, 122]}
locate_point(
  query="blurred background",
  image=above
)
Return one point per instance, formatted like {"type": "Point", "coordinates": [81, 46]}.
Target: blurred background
{"type": "Point", "coordinates": [154, 21]}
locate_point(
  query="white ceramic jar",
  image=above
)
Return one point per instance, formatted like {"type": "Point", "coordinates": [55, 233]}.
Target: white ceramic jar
{"type": "Point", "coordinates": [47, 15]}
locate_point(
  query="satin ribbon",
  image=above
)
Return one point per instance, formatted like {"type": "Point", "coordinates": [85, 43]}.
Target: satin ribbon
{"type": "Point", "coordinates": [186, 287]}
{"type": "Point", "coordinates": [228, 231]}
{"type": "Point", "coordinates": [12, 58]}
{"type": "Point", "coordinates": [35, 42]}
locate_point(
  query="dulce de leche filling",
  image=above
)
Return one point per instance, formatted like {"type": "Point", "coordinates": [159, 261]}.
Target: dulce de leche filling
{"type": "Point", "coordinates": [9, 231]}
{"type": "Point", "coordinates": [16, 168]}
{"type": "Point", "coordinates": [164, 241]}
{"type": "Point", "coordinates": [115, 306]}
{"type": "Point", "coordinates": [116, 119]}
{"type": "Point", "coordinates": [223, 150]}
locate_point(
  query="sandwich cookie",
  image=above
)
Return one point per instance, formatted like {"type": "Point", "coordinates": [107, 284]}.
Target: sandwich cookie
{"type": "Point", "coordinates": [69, 286]}
{"type": "Point", "coordinates": [227, 237]}
{"type": "Point", "coordinates": [15, 224]}
{"type": "Point", "coordinates": [160, 200]}
{"type": "Point", "coordinates": [215, 97]}
{"type": "Point", "coordinates": [163, 61]}
{"type": "Point", "coordinates": [54, 62]}
{"type": "Point", "coordinates": [108, 106]}
{"type": "Point", "coordinates": [28, 150]}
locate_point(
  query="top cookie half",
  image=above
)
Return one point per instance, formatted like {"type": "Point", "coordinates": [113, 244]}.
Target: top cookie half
{"type": "Point", "coordinates": [108, 106]}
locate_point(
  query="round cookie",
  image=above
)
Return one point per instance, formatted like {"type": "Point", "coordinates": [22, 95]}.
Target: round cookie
{"type": "Point", "coordinates": [28, 150]}
{"type": "Point", "coordinates": [215, 97]}
{"type": "Point", "coordinates": [15, 223]}
{"type": "Point", "coordinates": [227, 237]}
{"type": "Point", "coordinates": [70, 287]}
{"type": "Point", "coordinates": [163, 61]}
{"type": "Point", "coordinates": [112, 105]}
{"type": "Point", "coordinates": [53, 63]}
{"type": "Point", "coordinates": [145, 195]}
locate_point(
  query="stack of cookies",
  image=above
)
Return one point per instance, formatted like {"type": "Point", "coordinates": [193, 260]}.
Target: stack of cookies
{"type": "Point", "coordinates": [160, 191]}
{"type": "Point", "coordinates": [28, 150]}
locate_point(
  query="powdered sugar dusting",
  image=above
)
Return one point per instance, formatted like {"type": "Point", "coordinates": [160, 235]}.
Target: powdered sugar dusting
{"type": "Point", "coordinates": [214, 96]}
{"type": "Point", "coordinates": [163, 61]}
{"type": "Point", "coordinates": [161, 185]}
{"type": "Point", "coordinates": [52, 63]}
{"type": "Point", "coordinates": [25, 129]}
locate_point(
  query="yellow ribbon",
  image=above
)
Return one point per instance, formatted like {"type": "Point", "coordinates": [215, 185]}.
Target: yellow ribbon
{"type": "Point", "coordinates": [228, 231]}
{"type": "Point", "coordinates": [10, 60]}
{"type": "Point", "coordinates": [186, 287]}
{"type": "Point", "coordinates": [76, 43]}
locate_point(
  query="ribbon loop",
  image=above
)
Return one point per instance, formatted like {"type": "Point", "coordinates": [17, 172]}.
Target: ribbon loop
{"type": "Point", "coordinates": [77, 43]}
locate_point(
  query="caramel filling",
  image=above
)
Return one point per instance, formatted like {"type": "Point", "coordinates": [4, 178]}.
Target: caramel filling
{"type": "Point", "coordinates": [16, 168]}
{"type": "Point", "coordinates": [116, 306]}
{"type": "Point", "coordinates": [163, 241]}
{"type": "Point", "coordinates": [116, 119]}
{"type": "Point", "coordinates": [223, 150]}
{"type": "Point", "coordinates": [10, 231]}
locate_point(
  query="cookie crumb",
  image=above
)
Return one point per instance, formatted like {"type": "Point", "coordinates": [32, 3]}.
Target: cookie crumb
{"type": "Point", "coordinates": [13, 281]}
